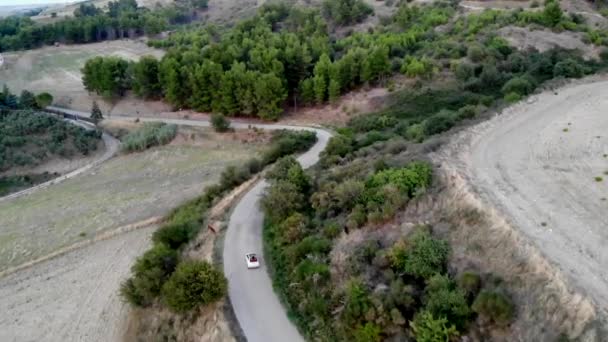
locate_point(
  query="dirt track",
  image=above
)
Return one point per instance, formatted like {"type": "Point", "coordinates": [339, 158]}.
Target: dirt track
{"type": "Point", "coordinates": [537, 164]}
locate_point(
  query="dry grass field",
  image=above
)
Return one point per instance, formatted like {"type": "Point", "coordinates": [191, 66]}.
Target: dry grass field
{"type": "Point", "coordinates": [126, 189]}
{"type": "Point", "coordinates": [57, 70]}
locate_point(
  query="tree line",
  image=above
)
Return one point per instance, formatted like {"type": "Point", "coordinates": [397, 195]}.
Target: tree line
{"type": "Point", "coordinates": [124, 19]}
{"type": "Point", "coordinates": [282, 55]}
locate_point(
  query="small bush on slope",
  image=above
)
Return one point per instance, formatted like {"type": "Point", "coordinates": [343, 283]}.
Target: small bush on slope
{"type": "Point", "coordinates": [194, 283]}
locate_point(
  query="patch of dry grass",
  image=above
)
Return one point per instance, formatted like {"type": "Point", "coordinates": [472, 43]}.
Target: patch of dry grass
{"type": "Point", "coordinates": [126, 189]}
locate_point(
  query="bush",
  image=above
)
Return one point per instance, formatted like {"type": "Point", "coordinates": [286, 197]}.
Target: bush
{"type": "Point", "coordinates": [369, 332]}
{"type": "Point", "coordinates": [421, 255]}
{"type": "Point", "coordinates": [518, 85]}
{"type": "Point", "coordinates": [470, 282]}
{"type": "Point", "coordinates": [443, 299]}
{"type": "Point", "coordinates": [149, 273]}
{"type": "Point", "coordinates": [44, 99]}
{"type": "Point", "coordinates": [494, 306]}
{"type": "Point", "coordinates": [512, 97]}
{"type": "Point", "coordinates": [440, 122]}
{"type": "Point", "coordinates": [568, 68]}
{"type": "Point", "coordinates": [174, 235]}
{"type": "Point", "coordinates": [192, 284]}
{"type": "Point", "coordinates": [427, 328]}
{"type": "Point", "coordinates": [281, 200]}
{"type": "Point", "coordinates": [149, 135]}
{"type": "Point", "coordinates": [219, 122]}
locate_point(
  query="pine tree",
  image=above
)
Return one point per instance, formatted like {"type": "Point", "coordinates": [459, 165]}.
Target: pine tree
{"type": "Point", "coordinates": [27, 100]}
{"type": "Point", "coordinates": [320, 87]}
{"type": "Point", "coordinates": [334, 90]}
{"type": "Point", "coordinates": [96, 114]}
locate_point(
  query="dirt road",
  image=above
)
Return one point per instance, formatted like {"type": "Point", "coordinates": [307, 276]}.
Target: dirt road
{"type": "Point", "coordinates": [544, 164]}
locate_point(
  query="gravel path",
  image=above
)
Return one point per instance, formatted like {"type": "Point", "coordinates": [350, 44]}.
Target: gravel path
{"type": "Point", "coordinates": [537, 163]}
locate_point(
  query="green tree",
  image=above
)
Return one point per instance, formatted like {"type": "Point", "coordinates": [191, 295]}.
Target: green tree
{"type": "Point", "coordinates": [307, 91]}
{"type": "Point", "coordinates": [44, 100]}
{"type": "Point", "coordinates": [219, 122]}
{"type": "Point", "coordinates": [192, 284]}
{"type": "Point", "coordinates": [96, 114]}
{"type": "Point", "coordinates": [334, 90]}
{"type": "Point", "coordinates": [27, 100]}
{"type": "Point", "coordinates": [149, 273]}
{"type": "Point", "coordinates": [552, 13]}
{"type": "Point", "coordinates": [145, 78]}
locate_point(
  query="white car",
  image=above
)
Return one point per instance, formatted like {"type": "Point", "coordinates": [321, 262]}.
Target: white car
{"type": "Point", "coordinates": [252, 260]}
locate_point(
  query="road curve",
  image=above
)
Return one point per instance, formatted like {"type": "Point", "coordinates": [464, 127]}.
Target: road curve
{"type": "Point", "coordinates": [111, 145]}
{"type": "Point", "coordinates": [537, 163]}
{"type": "Point", "coordinates": [260, 314]}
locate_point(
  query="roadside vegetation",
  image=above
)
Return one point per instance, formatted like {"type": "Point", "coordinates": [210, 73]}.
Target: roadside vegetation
{"type": "Point", "coordinates": [124, 19]}
{"type": "Point", "coordinates": [150, 134]}
{"type": "Point", "coordinates": [162, 274]}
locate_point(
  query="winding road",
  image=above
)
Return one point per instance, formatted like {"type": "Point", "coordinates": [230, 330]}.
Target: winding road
{"type": "Point", "coordinates": [544, 164]}
{"type": "Point", "coordinates": [260, 314]}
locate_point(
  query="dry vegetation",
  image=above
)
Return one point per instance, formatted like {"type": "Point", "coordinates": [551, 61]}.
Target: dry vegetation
{"type": "Point", "coordinates": [124, 190]}
{"type": "Point", "coordinates": [57, 70]}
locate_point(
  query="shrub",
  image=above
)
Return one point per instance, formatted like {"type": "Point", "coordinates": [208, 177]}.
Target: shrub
{"type": "Point", "coordinates": [369, 332]}
{"type": "Point", "coordinates": [281, 200]}
{"type": "Point", "coordinates": [415, 132]}
{"type": "Point", "coordinates": [512, 97]}
{"type": "Point", "coordinates": [149, 135]}
{"type": "Point", "coordinates": [470, 282]}
{"type": "Point", "coordinates": [421, 255]}
{"type": "Point", "coordinates": [192, 284]}
{"type": "Point", "coordinates": [219, 122]}
{"type": "Point", "coordinates": [149, 273]}
{"type": "Point", "coordinates": [43, 100]}
{"type": "Point", "coordinates": [174, 235]}
{"type": "Point", "coordinates": [427, 328]}
{"type": "Point", "coordinates": [468, 112]}
{"type": "Point", "coordinates": [494, 306]}
{"type": "Point", "coordinates": [339, 145]}
{"type": "Point", "coordinates": [440, 122]}
{"type": "Point", "coordinates": [568, 68]}
{"type": "Point", "coordinates": [518, 85]}
{"type": "Point", "coordinates": [443, 299]}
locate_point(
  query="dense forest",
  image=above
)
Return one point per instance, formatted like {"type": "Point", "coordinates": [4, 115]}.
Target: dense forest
{"type": "Point", "coordinates": [287, 56]}
{"type": "Point", "coordinates": [90, 24]}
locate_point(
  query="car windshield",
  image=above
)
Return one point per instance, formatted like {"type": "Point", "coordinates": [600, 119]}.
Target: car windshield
{"type": "Point", "coordinates": [253, 258]}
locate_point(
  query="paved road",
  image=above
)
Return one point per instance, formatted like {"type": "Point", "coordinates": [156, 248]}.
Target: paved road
{"type": "Point", "coordinates": [260, 314]}
{"type": "Point", "coordinates": [537, 164]}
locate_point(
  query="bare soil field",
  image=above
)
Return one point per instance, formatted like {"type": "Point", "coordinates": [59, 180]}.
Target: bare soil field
{"type": "Point", "coordinates": [57, 70]}
{"type": "Point", "coordinates": [126, 189]}
{"type": "Point", "coordinates": [543, 164]}
{"type": "Point", "coordinates": [73, 297]}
